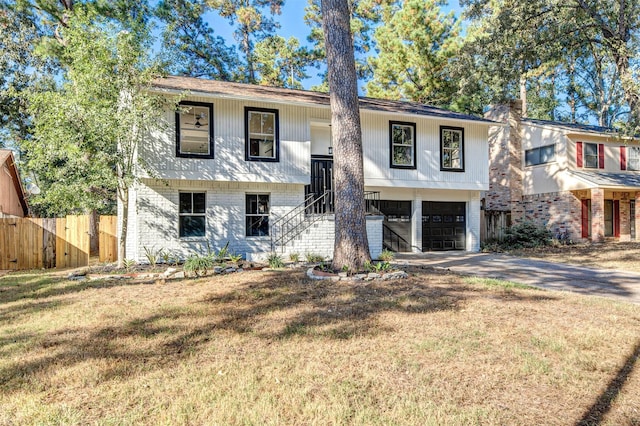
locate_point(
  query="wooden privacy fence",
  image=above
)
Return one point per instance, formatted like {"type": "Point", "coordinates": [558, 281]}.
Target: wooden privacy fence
{"type": "Point", "coordinates": [27, 243]}
{"type": "Point", "coordinates": [493, 225]}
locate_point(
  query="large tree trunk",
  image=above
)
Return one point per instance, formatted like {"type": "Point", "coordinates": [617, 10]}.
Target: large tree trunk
{"type": "Point", "coordinates": [351, 249]}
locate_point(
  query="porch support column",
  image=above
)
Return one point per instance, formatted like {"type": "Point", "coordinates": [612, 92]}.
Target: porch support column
{"type": "Point", "coordinates": [416, 223]}
{"type": "Point", "coordinates": [625, 220]}
{"type": "Point", "coordinates": [597, 214]}
{"type": "Point", "coordinates": [637, 218]}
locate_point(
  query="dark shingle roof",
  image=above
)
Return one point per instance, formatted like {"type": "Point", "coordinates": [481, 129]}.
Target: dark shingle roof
{"type": "Point", "coordinates": [603, 179]}
{"type": "Point", "coordinates": [277, 94]}
{"type": "Point", "coordinates": [571, 126]}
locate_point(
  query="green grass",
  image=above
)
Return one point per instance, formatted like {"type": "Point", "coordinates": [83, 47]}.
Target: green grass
{"type": "Point", "coordinates": [492, 282]}
{"type": "Point", "coordinates": [277, 348]}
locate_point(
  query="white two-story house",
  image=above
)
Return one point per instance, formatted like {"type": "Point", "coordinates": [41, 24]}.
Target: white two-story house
{"type": "Point", "coordinates": [571, 178]}
{"type": "Point", "coordinates": [251, 166]}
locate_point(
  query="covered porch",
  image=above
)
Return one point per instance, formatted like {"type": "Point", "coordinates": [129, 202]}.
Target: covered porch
{"type": "Point", "coordinates": [609, 207]}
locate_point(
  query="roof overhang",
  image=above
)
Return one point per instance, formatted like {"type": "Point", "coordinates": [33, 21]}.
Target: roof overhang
{"type": "Point", "coordinates": [629, 181]}
{"type": "Point", "coordinates": [189, 86]}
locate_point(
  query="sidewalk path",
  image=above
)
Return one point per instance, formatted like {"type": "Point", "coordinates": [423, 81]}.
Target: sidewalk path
{"type": "Point", "coordinates": [554, 276]}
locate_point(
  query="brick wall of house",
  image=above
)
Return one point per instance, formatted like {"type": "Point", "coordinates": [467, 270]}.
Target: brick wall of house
{"type": "Point", "coordinates": [597, 214]}
{"type": "Point", "coordinates": [557, 211]}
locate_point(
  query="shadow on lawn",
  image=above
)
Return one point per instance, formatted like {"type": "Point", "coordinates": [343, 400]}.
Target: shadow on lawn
{"type": "Point", "coordinates": [270, 306]}
{"type": "Point", "coordinates": [602, 405]}
{"type": "Point", "coordinates": [41, 286]}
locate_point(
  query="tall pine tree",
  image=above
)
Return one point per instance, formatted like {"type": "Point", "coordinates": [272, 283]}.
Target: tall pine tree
{"type": "Point", "coordinates": [415, 43]}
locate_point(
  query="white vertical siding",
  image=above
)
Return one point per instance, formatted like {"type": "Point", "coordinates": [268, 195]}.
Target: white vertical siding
{"type": "Point", "coordinates": [229, 162]}
{"type": "Point", "coordinates": [295, 123]}
{"type": "Point", "coordinates": [375, 140]}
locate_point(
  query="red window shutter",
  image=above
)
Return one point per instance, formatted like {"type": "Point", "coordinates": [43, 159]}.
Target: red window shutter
{"type": "Point", "coordinates": [601, 156]}
{"type": "Point", "coordinates": [585, 219]}
{"type": "Point", "coordinates": [623, 158]}
{"type": "Point", "coordinates": [579, 154]}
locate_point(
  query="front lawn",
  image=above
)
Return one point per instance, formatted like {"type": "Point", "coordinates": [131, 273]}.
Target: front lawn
{"type": "Point", "coordinates": [623, 256]}
{"type": "Point", "coordinates": [277, 348]}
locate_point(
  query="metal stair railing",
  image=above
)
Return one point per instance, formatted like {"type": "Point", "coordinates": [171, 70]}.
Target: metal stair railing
{"type": "Point", "coordinates": [309, 212]}
{"type": "Point", "coordinates": [297, 220]}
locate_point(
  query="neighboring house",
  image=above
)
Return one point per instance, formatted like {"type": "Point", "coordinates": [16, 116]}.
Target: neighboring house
{"type": "Point", "coordinates": [13, 202]}
{"type": "Point", "coordinates": [578, 180]}
{"type": "Point", "coordinates": [252, 166]}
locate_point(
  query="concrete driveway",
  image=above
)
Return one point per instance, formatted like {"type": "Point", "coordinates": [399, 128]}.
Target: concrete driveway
{"type": "Point", "coordinates": [554, 276]}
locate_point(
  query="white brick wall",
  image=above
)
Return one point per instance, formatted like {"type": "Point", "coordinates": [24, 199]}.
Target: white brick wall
{"type": "Point", "coordinates": [319, 238]}
{"type": "Point", "coordinates": [154, 223]}
{"type": "Point", "coordinates": [157, 218]}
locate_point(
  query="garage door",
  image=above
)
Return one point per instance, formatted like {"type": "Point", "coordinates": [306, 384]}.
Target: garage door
{"type": "Point", "coordinates": [396, 235]}
{"type": "Point", "coordinates": [443, 226]}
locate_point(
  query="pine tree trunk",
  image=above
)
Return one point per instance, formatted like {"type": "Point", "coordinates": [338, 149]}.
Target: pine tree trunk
{"type": "Point", "coordinates": [351, 249]}
{"type": "Point", "coordinates": [123, 194]}
{"type": "Point", "coordinates": [523, 95]}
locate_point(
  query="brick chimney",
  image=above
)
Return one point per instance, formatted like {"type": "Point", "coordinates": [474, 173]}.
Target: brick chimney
{"type": "Point", "coordinates": [505, 161]}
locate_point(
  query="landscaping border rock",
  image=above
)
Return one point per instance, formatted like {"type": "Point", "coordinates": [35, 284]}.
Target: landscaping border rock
{"type": "Point", "coordinates": [315, 274]}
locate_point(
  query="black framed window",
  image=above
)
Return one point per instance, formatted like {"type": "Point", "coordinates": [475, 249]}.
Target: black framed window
{"type": "Point", "coordinates": [257, 215]}
{"type": "Point", "coordinates": [541, 155]}
{"type": "Point", "coordinates": [402, 140]}
{"type": "Point", "coordinates": [591, 155]}
{"type": "Point", "coordinates": [451, 149]}
{"type": "Point", "coordinates": [194, 130]}
{"type": "Point", "coordinates": [261, 134]}
{"type": "Point", "coordinates": [192, 214]}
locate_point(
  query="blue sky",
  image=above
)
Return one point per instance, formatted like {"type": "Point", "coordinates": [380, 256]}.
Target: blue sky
{"type": "Point", "coordinates": [292, 24]}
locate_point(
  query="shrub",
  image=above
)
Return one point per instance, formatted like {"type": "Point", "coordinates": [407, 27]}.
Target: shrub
{"type": "Point", "coordinates": [153, 256]}
{"type": "Point", "coordinates": [198, 265]}
{"type": "Point", "coordinates": [223, 253]}
{"type": "Point", "coordinates": [275, 261]}
{"type": "Point", "coordinates": [521, 235]}
{"type": "Point", "coordinates": [128, 264]}
{"type": "Point", "coordinates": [294, 257]}
{"type": "Point", "coordinates": [314, 258]}
{"type": "Point", "coordinates": [382, 266]}
{"type": "Point", "coordinates": [528, 234]}
{"type": "Point", "coordinates": [387, 255]}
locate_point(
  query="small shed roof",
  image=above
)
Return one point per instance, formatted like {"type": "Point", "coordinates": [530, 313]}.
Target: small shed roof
{"type": "Point", "coordinates": [6, 157]}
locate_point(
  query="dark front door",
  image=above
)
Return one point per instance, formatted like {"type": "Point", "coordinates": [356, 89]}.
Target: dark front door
{"type": "Point", "coordinates": [396, 227]}
{"type": "Point", "coordinates": [321, 181]}
{"type": "Point", "coordinates": [608, 218]}
{"type": "Point", "coordinates": [586, 218]}
{"type": "Point", "coordinates": [444, 226]}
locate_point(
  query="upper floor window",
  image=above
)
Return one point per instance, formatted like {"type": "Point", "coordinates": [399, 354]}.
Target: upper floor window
{"type": "Point", "coordinates": [194, 130]}
{"type": "Point", "coordinates": [590, 155]}
{"type": "Point", "coordinates": [540, 155]}
{"type": "Point", "coordinates": [451, 148]}
{"type": "Point", "coordinates": [192, 214]}
{"type": "Point", "coordinates": [257, 215]}
{"type": "Point", "coordinates": [403, 144]}
{"type": "Point", "coordinates": [633, 158]}
{"type": "Point", "coordinates": [261, 134]}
